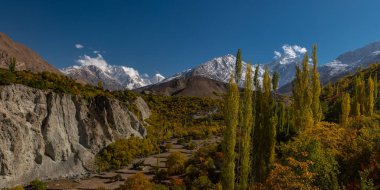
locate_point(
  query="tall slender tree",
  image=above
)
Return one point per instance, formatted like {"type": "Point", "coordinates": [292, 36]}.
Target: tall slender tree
{"type": "Point", "coordinates": [258, 164]}
{"type": "Point", "coordinates": [303, 115]}
{"type": "Point", "coordinates": [376, 88]}
{"type": "Point", "coordinates": [246, 120]}
{"type": "Point", "coordinates": [346, 108]}
{"type": "Point", "coordinates": [12, 64]}
{"type": "Point", "coordinates": [229, 134]}
{"type": "Point", "coordinates": [357, 96]}
{"type": "Point", "coordinates": [269, 124]}
{"type": "Point", "coordinates": [275, 79]}
{"type": "Point", "coordinates": [316, 88]}
{"type": "Point", "coordinates": [238, 66]}
{"type": "Point", "coordinates": [264, 130]}
{"type": "Point", "coordinates": [371, 100]}
{"type": "Point", "coordinates": [255, 127]}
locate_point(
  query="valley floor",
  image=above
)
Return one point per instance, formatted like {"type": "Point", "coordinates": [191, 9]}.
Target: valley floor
{"type": "Point", "coordinates": [113, 179]}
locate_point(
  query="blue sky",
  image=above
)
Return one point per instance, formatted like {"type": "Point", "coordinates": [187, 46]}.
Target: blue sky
{"type": "Point", "coordinates": [172, 35]}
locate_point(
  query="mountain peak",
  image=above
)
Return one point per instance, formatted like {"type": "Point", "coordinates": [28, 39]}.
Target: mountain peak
{"type": "Point", "coordinates": [289, 54]}
{"type": "Point", "coordinates": [114, 77]}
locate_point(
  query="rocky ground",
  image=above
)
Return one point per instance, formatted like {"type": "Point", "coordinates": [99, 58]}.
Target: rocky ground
{"type": "Point", "coordinates": [113, 179]}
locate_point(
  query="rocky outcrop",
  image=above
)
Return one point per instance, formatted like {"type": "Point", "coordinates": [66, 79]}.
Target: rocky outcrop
{"type": "Point", "coordinates": [142, 106]}
{"type": "Point", "coordinates": [48, 135]}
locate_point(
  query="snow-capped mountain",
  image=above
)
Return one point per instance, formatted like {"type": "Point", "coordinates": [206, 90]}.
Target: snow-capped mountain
{"type": "Point", "coordinates": [221, 68]}
{"type": "Point", "coordinates": [350, 61]}
{"type": "Point", "coordinates": [94, 69]}
{"type": "Point", "coordinates": [285, 63]}
{"type": "Point", "coordinates": [157, 78]}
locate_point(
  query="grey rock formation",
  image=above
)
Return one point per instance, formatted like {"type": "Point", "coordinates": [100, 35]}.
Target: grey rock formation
{"type": "Point", "coordinates": [143, 108]}
{"type": "Point", "coordinates": [48, 135]}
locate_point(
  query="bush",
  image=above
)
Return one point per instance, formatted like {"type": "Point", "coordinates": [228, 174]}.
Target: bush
{"type": "Point", "coordinates": [37, 185]}
{"type": "Point", "coordinates": [203, 182]}
{"type": "Point", "coordinates": [121, 152]}
{"type": "Point", "coordinates": [191, 146]}
{"type": "Point", "coordinates": [161, 175]}
{"type": "Point", "coordinates": [176, 163]}
{"type": "Point", "coordinates": [137, 181]}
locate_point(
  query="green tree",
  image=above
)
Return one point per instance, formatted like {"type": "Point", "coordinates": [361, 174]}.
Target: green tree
{"type": "Point", "coordinates": [330, 89]}
{"type": "Point", "coordinates": [256, 124]}
{"type": "Point", "coordinates": [346, 108]}
{"type": "Point", "coordinates": [371, 100]}
{"type": "Point", "coordinates": [12, 64]}
{"type": "Point", "coordinates": [316, 88]}
{"type": "Point", "coordinates": [229, 134]}
{"type": "Point", "coordinates": [359, 95]}
{"type": "Point", "coordinates": [269, 123]}
{"type": "Point", "coordinates": [376, 88]}
{"type": "Point", "coordinates": [246, 123]}
{"type": "Point", "coordinates": [38, 185]}
{"type": "Point", "coordinates": [303, 115]}
{"type": "Point", "coordinates": [275, 79]}
{"type": "Point", "coordinates": [238, 66]}
{"type": "Point", "coordinates": [100, 84]}
{"type": "Point", "coordinates": [137, 181]}
{"type": "Point", "coordinates": [176, 163]}
{"type": "Point", "coordinates": [264, 130]}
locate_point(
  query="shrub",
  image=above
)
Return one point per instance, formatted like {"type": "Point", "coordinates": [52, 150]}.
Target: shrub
{"type": "Point", "coordinates": [203, 182]}
{"type": "Point", "coordinates": [176, 163]}
{"type": "Point", "coordinates": [137, 181]}
{"type": "Point", "coordinates": [37, 185]}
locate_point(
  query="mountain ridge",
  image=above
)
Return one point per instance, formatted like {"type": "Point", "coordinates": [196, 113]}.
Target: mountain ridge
{"type": "Point", "coordinates": [26, 58]}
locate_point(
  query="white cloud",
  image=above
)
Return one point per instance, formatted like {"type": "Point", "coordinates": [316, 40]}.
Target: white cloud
{"type": "Point", "coordinates": [79, 46]}
{"type": "Point", "coordinates": [97, 61]}
{"type": "Point", "coordinates": [96, 51]}
{"type": "Point", "coordinates": [293, 51]}
{"type": "Point", "coordinates": [299, 49]}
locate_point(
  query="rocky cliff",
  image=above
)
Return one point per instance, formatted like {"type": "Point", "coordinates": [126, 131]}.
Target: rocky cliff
{"type": "Point", "coordinates": [48, 135]}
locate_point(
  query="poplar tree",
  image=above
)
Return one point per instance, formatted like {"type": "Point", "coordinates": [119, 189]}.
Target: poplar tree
{"type": "Point", "coordinates": [257, 145]}
{"type": "Point", "coordinates": [330, 89]}
{"type": "Point", "coordinates": [256, 124]}
{"type": "Point", "coordinates": [376, 87]}
{"type": "Point", "coordinates": [275, 79]}
{"type": "Point", "coordinates": [229, 134]}
{"type": "Point", "coordinates": [12, 64]}
{"type": "Point", "coordinates": [269, 123]}
{"type": "Point", "coordinates": [346, 108]}
{"type": "Point", "coordinates": [316, 89]}
{"type": "Point", "coordinates": [303, 115]}
{"type": "Point", "coordinates": [246, 121]}
{"type": "Point", "coordinates": [238, 66]}
{"type": "Point", "coordinates": [371, 100]}
{"type": "Point", "coordinates": [264, 130]}
{"type": "Point", "coordinates": [357, 96]}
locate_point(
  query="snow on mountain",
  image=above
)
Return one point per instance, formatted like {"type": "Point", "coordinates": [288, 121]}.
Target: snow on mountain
{"type": "Point", "coordinates": [221, 68]}
{"type": "Point", "coordinates": [350, 61]}
{"type": "Point", "coordinates": [94, 69]}
{"type": "Point", "coordinates": [157, 78]}
{"type": "Point", "coordinates": [285, 63]}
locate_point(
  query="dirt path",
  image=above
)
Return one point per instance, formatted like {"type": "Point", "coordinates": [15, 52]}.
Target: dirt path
{"type": "Point", "coordinates": [105, 179]}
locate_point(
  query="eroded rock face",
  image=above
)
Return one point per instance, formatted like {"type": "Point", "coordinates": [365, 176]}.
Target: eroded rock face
{"type": "Point", "coordinates": [143, 107]}
{"type": "Point", "coordinates": [48, 135]}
